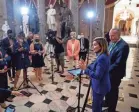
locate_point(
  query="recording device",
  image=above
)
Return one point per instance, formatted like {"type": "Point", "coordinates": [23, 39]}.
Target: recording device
{"type": "Point", "coordinates": [10, 108]}
{"type": "Point", "coordinates": [51, 36]}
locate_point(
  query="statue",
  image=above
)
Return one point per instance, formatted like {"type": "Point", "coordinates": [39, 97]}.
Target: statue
{"type": "Point", "coordinates": [25, 24]}
{"type": "Point", "coordinates": [66, 20]}
{"type": "Point", "coordinates": [5, 28]}
{"type": "Point", "coordinates": [51, 21]}
{"type": "Point", "coordinates": [137, 28]}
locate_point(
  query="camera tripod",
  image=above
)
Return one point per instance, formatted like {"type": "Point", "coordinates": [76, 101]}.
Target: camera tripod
{"type": "Point", "coordinates": [26, 81]}
{"type": "Point", "coordinates": [79, 96]}
{"type": "Point", "coordinates": [52, 65]}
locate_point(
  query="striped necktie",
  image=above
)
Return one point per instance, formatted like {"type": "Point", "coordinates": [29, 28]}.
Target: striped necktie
{"type": "Point", "coordinates": [111, 47]}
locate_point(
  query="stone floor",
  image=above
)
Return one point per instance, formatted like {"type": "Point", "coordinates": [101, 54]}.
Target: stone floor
{"type": "Point", "coordinates": [61, 95]}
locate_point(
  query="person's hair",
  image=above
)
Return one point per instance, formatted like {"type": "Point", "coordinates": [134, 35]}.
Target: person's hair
{"type": "Point", "coordinates": [73, 34]}
{"type": "Point", "coordinates": [117, 30]}
{"type": "Point", "coordinates": [103, 44]}
{"type": "Point", "coordinates": [9, 31]}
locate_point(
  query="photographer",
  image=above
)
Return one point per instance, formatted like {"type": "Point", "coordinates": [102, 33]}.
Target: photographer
{"type": "Point", "coordinates": [59, 54]}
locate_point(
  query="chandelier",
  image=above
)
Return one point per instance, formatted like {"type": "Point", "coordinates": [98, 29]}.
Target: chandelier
{"type": "Point", "coordinates": [125, 15]}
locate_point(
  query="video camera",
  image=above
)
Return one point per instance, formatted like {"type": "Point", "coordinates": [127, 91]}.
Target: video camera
{"type": "Point", "coordinates": [51, 36]}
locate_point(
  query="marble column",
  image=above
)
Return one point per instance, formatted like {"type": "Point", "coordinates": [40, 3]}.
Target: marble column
{"type": "Point", "coordinates": [108, 18]}
{"type": "Point", "coordinates": [98, 27]}
{"type": "Point", "coordinates": [10, 14]}
{"type": "Point", "coordinates": [17, 16]}
{"type": "Point", "coordinates": [74, 10]}
{"type": "Point", "coordinates": [42, 19]}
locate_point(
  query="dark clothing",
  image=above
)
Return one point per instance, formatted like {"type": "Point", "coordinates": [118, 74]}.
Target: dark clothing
{"type": "Point", "coordinates": [4, 94]}
{"type": "Point", "coordinates": [21, 57]}
{"type": "Point", "coordinates": [58, 48]}
{"type": "Point", "coordinates": [83, 51]}
{"type": "Point", "coordinates": [3, 76]}
{"type": "Point", "coordinates": [113, 94]}
{"type": "Point", "coordinates": [37, 59]}
{"type": "Point", "coordinates": [6, 46]}
{"type": "Point", "coordinates": [118, 57]}
{"type": "Point", "coordinates": [107, 37]}
{"type": "Point", "coordinates": [29, 41]}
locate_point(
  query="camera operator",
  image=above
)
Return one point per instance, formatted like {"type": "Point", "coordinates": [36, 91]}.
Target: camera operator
{"type": "Point", "coordinates": [59, 54]}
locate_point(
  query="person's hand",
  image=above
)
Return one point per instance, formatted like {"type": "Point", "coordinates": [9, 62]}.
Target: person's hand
{"type": "Point", "coordinates": [82, 65]}
{"type": "Point", "coordinates": [16, 93]}
{"type": "Point", "coordinates": [1, 59]}
{"type": "Point", "coordinates": [5, 67]}
{"type": "Point", "coordinates": [3, 70]}
{"type": "Point", "coordinates": [21, 49]}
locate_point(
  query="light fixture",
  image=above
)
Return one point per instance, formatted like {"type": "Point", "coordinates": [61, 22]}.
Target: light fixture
{"type": "Point", "coordinates": [24, 10]}
{"type": "Point", "coordinates": [90, 14]}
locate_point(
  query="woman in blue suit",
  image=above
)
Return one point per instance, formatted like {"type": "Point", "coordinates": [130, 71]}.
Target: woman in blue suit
{"type": "Point", "coordinates": [99, 73]}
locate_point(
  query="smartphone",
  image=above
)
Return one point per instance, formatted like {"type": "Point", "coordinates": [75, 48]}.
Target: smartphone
{"type": "Point", "coordinates": [10, 109]}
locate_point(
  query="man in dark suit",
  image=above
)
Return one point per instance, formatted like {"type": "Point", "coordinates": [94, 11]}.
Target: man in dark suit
{"type": "Point", "coordinates": [118, 51]}
{"type": "Point", "coordinates": [7, 44]}
{"type": "Point", "coordinates": [84, 47]}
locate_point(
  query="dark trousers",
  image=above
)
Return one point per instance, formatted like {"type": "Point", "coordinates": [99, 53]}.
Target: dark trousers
{"type": "Point", "coordinates": [97, 102]}
{"type": "Point", "coordinates": [82, 55]}
{"type": "Point", "coordinates": [11, 74]}
{"type": "Point", "coordinates": [3, 84]}
{"type": "Point", "coordinates": [112, 97]}
{"type": "Point", "coordinates": [11, 65]}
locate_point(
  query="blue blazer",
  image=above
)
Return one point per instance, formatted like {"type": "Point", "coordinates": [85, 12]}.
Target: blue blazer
{"type": "Point", "coordinates": [118, 58]}
{"type": "Point", "coordinates": [99, 73]}
{"type": "Point", "coordinates": [20, 62]}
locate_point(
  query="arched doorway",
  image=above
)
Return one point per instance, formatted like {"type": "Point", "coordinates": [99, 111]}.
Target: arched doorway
{"type": "Point", "coordinates": [122, 26]}
{"type": "Point", "coordinates": [123, 21]}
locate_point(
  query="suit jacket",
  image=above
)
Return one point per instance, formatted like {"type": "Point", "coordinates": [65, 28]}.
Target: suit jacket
{"type": "Point", "coordinates": [76, 48]}
{"type": "Point", "coordinates": [99, 73]}
{"type": "Point", "coordinates": [118, 58]}
{"type": "Point", "coordinates": [22, 57]}
{"type": "Point", "coordinates": [85, 44]}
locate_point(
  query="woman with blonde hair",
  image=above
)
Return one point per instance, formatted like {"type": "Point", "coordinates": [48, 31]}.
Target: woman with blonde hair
{"type": "Point", "coordinates": [37, 51]}
{"type": "Point", "coordinates": [98, 72]}
{"type": "Point", "coordinates": [73, 49]}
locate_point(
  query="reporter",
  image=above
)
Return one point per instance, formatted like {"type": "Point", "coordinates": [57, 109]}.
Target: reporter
{"type": "Point", "coordinates": [99, 73]}
{"type": "Point", "coordinates": [21, 52]}
{"type": "Point", "coordinates": [37, 51]}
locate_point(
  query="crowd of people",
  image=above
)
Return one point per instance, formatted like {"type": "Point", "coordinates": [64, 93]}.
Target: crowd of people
{"type": "Point", "coordinates": [106, 72]}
